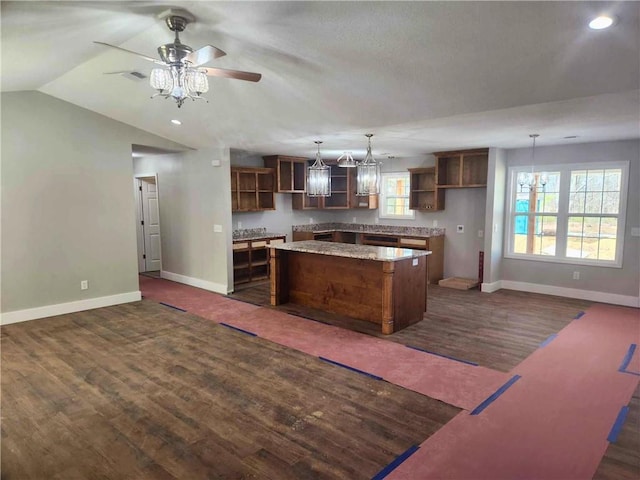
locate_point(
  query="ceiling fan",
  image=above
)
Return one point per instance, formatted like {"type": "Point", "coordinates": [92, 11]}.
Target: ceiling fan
{"type": "Point", "coordinates": [181, 75]}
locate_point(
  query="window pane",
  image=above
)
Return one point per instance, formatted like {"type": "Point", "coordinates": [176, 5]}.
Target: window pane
{"type": "Point", "coordinates": [576, 202]}
{"type": "Point", "coordinates": [535, 234]}
{"type": "Point", "coordinates": [546, 228]}
{"type": "Point", "coordinates": [612, 179]}
{"type": "Point", "coordinates": [608, 240]}
{"type": "Point", "coordinates": [595, 180]}
{"type": "Point", "coordinates": [611, 202]}
{"type": "Point", "coordinates": [578, 181]}
{"type": "Point", "coordinates": [593, 202]}
{"type": "Point", "coordinates": [548, 202]}
{"type": "Point", "coordinates": [591, 227]}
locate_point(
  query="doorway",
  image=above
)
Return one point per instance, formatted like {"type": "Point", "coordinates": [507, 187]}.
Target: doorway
{"type": "Point", "coordinates": [148, 224]}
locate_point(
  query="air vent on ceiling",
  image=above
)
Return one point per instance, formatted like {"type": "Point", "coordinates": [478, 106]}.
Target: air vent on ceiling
{"type": "Point", "coordinates": [134, 76]}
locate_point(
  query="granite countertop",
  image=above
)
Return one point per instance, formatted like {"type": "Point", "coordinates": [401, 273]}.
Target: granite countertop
{"type": "Point", "coordinates": [368, 228]}
{"type": "Point", "coordinates": [364, 252]}
{"type": "Point", "coordinates": [255, 234]}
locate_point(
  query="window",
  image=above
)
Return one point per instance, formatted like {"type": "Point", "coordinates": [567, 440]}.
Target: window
{"type": "Point", "coordinates": [394, 196]}
{"type": "Point", "coordinates": [574, 215]}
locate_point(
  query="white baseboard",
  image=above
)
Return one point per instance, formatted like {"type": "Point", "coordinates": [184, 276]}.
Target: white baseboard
{"type": "Point", "coordinates": [69, 307]}
{"type": "Point", "coordinates": [195, 282]}
{"type": "Point", "coordinates": [602, 297]}
{"type": "Point", "coordinates": [491, 287]}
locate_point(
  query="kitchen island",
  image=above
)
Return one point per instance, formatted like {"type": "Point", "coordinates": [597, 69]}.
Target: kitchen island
{"type": "Point", "coordinates": [383, 285]}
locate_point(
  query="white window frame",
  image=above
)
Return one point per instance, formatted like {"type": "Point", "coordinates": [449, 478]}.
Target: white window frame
{"type": "Point", "coordinates": [383, 197]}
{"type": "Point", "coordinates": [563, 213]}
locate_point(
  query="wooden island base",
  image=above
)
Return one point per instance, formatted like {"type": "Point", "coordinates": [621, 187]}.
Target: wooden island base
{"type": "Point", "coordinates": [390, 290]}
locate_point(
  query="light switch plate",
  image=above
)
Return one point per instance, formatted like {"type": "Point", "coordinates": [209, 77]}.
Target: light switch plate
{"type": "Point", "coordinates": [215, 163]}
{"type": "Point", "coordinates": [415, 262]}
{"type": "Point", "coordinates": [217, 228]}
{"type": "Point", "coordinates": [635, 231]}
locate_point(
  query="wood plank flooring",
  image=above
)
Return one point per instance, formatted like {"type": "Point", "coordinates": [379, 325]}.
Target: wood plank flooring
{"type": "Point", "coordinates": [142, 391]}
{"type": "Point", "coordinates": [497, 330]}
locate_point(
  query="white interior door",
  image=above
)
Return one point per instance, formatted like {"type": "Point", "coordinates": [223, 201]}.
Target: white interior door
{"type": "Point", "coordinates": [150, 224]}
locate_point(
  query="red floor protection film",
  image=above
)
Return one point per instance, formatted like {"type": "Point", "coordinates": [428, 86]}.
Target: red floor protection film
{"type": "Point", "coordinates": [551, 424]}
{"type": "Point", "coordinates": [450, 381]}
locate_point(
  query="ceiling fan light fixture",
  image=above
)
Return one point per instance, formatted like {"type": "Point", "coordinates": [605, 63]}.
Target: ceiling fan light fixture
{"type": "Point", "coordinates": [160, 79]}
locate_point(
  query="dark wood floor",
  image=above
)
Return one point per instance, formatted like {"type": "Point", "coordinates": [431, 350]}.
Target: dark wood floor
{"type": "Point", "coordinates": [497, 330]}
{"type": "Point", "coordinates": [141, 391]}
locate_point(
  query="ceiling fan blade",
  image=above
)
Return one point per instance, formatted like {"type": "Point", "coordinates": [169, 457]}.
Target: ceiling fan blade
{"type": "Point", "coordinates": [237, 74]}
{"type": "Point", "coordinates": [151, 59]}
{"type": "Point", "coordinates": [204, 55]}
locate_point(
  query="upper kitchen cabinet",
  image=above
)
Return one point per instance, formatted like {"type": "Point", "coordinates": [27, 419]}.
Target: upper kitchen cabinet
{"type": "Point", "coordinates": [252, 189]}
{"type": "Point", "coordinates": [423, 191]}
{"type": "Point", "coordinates": [290, 172]}
{"type": "Point", "coordinates": [462, 168]}
{"type": "Point", "coordinates": [341, 184]}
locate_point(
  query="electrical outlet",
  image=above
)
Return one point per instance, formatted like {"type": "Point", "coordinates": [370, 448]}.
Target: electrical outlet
{"type": "Point", "coordinates": [435, 223]}
{"type": "Point", "coordinates": [354, 220]}
{"type": "Point", "coordinates": [310, 219]}
{"type": "Point", "coordinates": [480, 234]}
{"type": "Point", "coordinates": [217, 228]}
{"type": "Point", "coordinates": [239, 224]}
{"type": "Point", "coordinates": [84, 285]}
{"type": "Point", "coordinates": [576, 275]}
{"type": "Point", "coordinates": [460, 229]}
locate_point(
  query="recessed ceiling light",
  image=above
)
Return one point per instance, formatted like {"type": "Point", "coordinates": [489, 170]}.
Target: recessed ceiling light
{"type": "Point", "coordinates": [601, 22]}
{"type": "Point", "coordinates": [176, 122]}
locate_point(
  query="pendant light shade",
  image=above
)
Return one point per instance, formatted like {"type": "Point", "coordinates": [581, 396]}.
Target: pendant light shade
{"type": "Point", "coordinates": [319, 177]}
{"type": "Point", "coordinates": [368, 173]}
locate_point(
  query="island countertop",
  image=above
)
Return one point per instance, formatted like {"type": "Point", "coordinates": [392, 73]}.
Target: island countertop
{"type": "Point", "coordinates": [363, 252]}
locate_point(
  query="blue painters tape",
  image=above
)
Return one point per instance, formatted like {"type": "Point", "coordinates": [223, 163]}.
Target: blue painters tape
{"type": "Point", "coordinates": [548, 340]}
{"type": "Point", "coordinates": [441, 355]}
{"type": "Point", "coordinates": [238, 329]}
{"type": "Point", "coordinates": [617, 425]}
{"type": "Point", "coordinates": [171, 306]}
{"type": "Point", "coordinates": [350, 368]}
{"type": "Point", "coordinates": [495, 395]}
{"type": "Point", "coordinates": [578, 315]}
{"type": "Point", "coordinates": [627, 358]}
{"type": "Point", "coordinates": [393, 465]}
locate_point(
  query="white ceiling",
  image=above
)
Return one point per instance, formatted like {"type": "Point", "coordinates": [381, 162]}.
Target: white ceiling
{"type": "Point", "coordinates": [421, 76]}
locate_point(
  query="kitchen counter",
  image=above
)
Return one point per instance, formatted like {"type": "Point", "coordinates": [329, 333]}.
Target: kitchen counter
{"type": "Point", "coordinates": [425, 232]}
{"type": "Point", "coordinates": [418, 238]}
{"type": "Point", "coordinates": [363, 252]}
{"type": "Point", "coordinates": [383, 285]}
{"type": "Point", "coordinates": [255, 234]}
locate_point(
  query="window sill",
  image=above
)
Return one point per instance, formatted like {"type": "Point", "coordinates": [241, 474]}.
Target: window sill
{"type": "Point", "coordinates": [565, 261]}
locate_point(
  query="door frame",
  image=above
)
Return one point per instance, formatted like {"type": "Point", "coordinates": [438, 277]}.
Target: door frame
{"type": "Point", "coordinates": [137, 178]}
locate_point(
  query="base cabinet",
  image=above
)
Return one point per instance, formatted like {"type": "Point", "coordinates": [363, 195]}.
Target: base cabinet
{"type": "Point", "coordinates": [251, 259]}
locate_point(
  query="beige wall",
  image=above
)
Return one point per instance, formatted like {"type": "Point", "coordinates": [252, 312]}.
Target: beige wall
{"type": "Point", "coordinates": [195, 196]}
{"type": "Point", "coordinates": [67, 210]}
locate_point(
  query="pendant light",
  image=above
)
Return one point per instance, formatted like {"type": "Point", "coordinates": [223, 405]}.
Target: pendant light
{"type": "Point", "coordinates": [531, 179]}
{"type": "Point", "coordinates": [319, 177]}
{"type": "Point", "coordinates": [368, 173]}
{"type": "Point", "coordinates": [346, 160]}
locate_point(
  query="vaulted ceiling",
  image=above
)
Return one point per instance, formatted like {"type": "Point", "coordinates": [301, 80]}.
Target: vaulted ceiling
{"type": "Point", "coordinates": [421, 76]}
